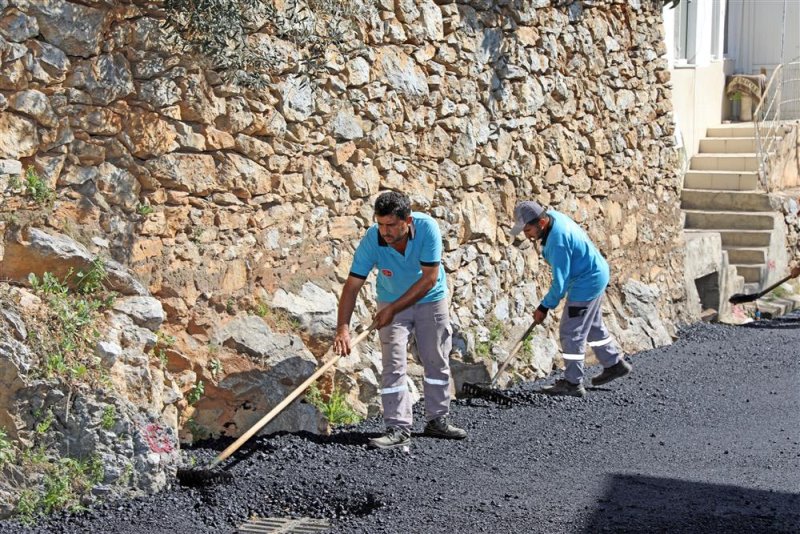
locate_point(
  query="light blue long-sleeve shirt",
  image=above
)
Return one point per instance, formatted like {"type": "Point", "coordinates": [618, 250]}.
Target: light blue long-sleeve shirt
{"type": "Point", "coordinates": [578, 268]}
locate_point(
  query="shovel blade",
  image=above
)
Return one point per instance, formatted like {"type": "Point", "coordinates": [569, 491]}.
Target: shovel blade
{"type": "Point", "coordinates": [741, 298]}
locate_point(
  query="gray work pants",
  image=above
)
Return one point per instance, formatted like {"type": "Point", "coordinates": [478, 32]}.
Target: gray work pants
{"type": "Point", "coordinates": [582, 322]}
{"type": "Point", "coordinates": [430, 323]}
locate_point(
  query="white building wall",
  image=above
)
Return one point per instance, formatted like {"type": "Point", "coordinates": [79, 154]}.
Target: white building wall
{"type": "Point", "coordinates": [756, 29]}
{"type": "Point", "coordinates": [763, 34]}
{"type": "Point", "coordinates": [698, 80]}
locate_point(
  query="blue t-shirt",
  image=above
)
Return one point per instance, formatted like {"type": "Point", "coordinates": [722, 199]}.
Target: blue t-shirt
{"type": "Point", "coordinates": [578, 267]}
{"type": "Point", "coordinates": [398, 272]}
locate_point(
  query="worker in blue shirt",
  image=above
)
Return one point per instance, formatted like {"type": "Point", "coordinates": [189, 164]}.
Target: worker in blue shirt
{"type": "Point", "coordinates": [581, 273]}
{"type": "Point", "coordinates": [406, 249]}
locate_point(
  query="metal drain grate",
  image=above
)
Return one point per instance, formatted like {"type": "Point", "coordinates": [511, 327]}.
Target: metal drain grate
{"type": "Point", "coordinates": [282, 525]}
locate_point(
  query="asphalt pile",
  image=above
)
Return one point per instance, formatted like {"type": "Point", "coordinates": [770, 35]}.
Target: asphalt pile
{"type": "Point", "coordinates": [703, 435]}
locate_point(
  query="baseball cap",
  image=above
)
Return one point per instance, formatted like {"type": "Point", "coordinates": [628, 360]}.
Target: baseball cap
{"type": "Point", "coordinates": [524, 213]}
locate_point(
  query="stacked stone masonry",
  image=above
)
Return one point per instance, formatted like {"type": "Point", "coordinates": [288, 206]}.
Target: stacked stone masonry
{"type": "Point", "coordinates": [256, 196]}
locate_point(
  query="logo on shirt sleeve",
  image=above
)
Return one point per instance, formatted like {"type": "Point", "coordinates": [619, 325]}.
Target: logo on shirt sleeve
{"type": "Point", "coordinates": [387, 273]}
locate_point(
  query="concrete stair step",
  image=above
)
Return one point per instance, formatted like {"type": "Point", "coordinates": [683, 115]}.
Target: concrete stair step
{"type": "Point", "coordinates": [751, 288]}
{"type": "Point", "coordinates": [729, 220]}
{"type": "Point", "coordinates": [775, 307]}
{"type": "Point", "coordinates": [744, 162]}
{"type": "Point", "coordinates": [721, 180]}
{"type": "Point", "coordinates": [795, 299]}
{"type": "Point", "coordinates": [724, 145]}
{"type": "Point", "coordinates": [699, 199]}
{"type": "Point", "coordinates": [731, 144]}
{"type": "Point", "coordinates": [746, 256]}
{"type": "Point", "coordinates": [732, 130]}
{"type": "Point", "coordinates": [750, 273]}
{"type": "Point", "coordinates": [738, 238]}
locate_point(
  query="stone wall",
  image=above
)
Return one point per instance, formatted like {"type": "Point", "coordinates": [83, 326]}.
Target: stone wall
{"type": "Point", "coordinates": [232, 203]}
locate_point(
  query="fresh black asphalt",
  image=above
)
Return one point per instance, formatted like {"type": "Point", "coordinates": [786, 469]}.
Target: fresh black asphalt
{"type": "Point", "coordinates": [703, 436]}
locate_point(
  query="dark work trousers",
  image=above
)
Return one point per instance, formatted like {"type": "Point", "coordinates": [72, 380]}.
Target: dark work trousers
{"type": "Point", "coordinates": [430, 323]}
{"type": "Point", "coordinates": [582, 322]}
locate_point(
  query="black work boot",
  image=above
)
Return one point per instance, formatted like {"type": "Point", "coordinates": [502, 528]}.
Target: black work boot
{"type": "Point", "coordinates": [441, 428]}
{"type": "Point", "coordinates": [563, 387]}
{"type": "Point", "coordinates": [618, 370]}
{"type": "Point", "coordinates": [394, 437]}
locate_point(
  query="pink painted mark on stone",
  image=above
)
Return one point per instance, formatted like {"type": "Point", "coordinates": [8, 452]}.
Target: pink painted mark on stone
{"type": "Point", "coordinates": [771, 265]}
{"type": "Point", "coordinates": [158, 439]}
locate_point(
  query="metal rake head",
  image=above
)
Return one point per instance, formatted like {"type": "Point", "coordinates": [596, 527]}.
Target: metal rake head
{"type": "Point", "coordinates": [194, 478]}
{"type": "Point", "coordinates": [486, 391]}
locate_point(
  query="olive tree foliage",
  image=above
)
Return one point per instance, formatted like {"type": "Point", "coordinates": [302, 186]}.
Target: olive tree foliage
{"type": "Point", "coordinates": [225, 34]}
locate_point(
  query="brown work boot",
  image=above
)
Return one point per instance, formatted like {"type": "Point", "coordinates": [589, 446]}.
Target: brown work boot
{"type": "Point", "coordinates": [563, 387]}
{"type": "Point", "coordinates": [618, 370]}
{"type": "Point", "coordinates": [441, 428]}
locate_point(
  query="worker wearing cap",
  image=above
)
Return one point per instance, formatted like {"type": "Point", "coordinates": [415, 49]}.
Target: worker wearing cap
{"type": "Point", "coordinates": [406, 249]}
{"type": "Point", "coordinates": [581, 273]}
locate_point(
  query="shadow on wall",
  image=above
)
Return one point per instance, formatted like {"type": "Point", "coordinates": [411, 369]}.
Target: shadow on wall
{"type": "Point", "coordinates": [647, 504]}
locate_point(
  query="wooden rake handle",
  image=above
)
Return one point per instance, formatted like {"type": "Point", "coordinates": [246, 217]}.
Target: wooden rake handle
{"type": "Point", "coordinates": [513, 352]}
{"type": "Point", "coordinates": [233, 447]}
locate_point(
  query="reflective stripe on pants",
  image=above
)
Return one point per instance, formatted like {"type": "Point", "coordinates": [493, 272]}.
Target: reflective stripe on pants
{"type": "Point", "coordinates": [430, 323]}
{"type": "Point", "coordinates": [582, 321]}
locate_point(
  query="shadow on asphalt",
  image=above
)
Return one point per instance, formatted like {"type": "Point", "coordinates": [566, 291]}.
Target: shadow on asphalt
{"type": "Point", "coordinates": [340, 438]}
{"type": "Point", "coordinates": [777, 323]}
{"type": "Point", "coordinates": [633, 503]}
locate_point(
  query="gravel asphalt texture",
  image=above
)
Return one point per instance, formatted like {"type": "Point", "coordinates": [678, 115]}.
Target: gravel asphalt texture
{"type": "Point", "coordinates": [702, 436]}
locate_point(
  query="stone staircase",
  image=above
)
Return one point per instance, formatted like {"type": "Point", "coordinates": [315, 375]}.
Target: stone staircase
{"type": "Point", "coordinates": [721, 194]}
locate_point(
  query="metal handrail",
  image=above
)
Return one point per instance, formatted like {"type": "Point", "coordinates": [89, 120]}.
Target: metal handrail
{"type": "Point", "coordinates": [767, 88]}
{"type": "Point", "coordinates": [759, 118]}
{"type": "Point", "coordinates": [769, 115]}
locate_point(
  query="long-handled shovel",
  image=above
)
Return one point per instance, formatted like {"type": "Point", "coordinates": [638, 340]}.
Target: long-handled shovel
{"type": "Point", "coordinates": [740, 298]}
{"type": "Point", "coordinates": [205, 475]}
{"type": "Point", "coordinates": [487, 390]}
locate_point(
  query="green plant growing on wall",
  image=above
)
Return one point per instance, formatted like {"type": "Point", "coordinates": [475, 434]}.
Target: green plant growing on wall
{"type": "Point", "coordinates": [27, 506]}
{"type": "Point", "coordinates": [109, 418]}
{"type": "Point", "coordinates": [127, 475]}
{"type": "Point", "coordinates": [278, 318]}
{"type": "Point", "coordinates": [36, 188]}
{"type": "Point", "coordinates": [215, 367]}
{"type": "Point", "coordinates": [7, 454]}
{"type": "Point", "coordinates": [195, 393]}
{"type": "Point", "coordinates": [14, 183]}
{"type": "Point", "coordinates": [335, 408]}
{"type": "Point", "coordinates": [164, 342]}
{"type": "Point", "coordinates": [91, 280]}
{"type": "Point", "coordinates": [165, 339]}
{"type": "Point", "coordinates": [144, 209]}
{"type": "Point", "coordinates": [43, 426]}
{"type": "Point", "coordinates": [35, 457]}
{"type": "Point", "coordinates": [527, 351]}
{"type": "Point", "coordinates": [65, 481]}
{"type": "Point", "coordinates": [55, 365]}
{"type": "Point", "coordinates": [67, 338]}
{"type": "Point", "coordinates": [261, 309]}
{"type": "Point", "coordinates": [497, 331]}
